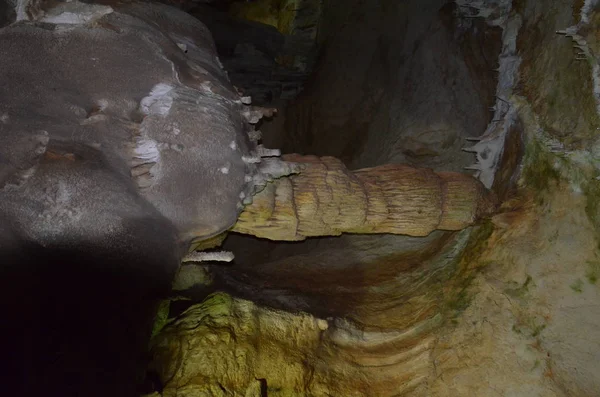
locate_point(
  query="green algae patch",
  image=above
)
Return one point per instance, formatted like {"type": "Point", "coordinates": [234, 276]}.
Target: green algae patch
{"type": "Point", "coordinates": [539, 171]}
{"type": "Point", "coordinates": [531, 328]}
{"type": "Point", "coordinates": [467, 266]}
{"type": "Point", "coordinates": [520, 291]}
{"type": "Point", "coordinates": [162, 316]}
{"type": "Point", "coordinates": [577, 286]}
{"type": "Point", "coordinates": [593, 272]}
{"type": "Point", "coordinates": [277, 13]}
{"type": "Point", "coordinates": [592, 209]}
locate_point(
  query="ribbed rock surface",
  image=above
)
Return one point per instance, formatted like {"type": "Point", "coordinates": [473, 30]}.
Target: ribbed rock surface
{"type": "Point", "coordinates": [326, 199]}
{"type": "Point", "coordinates": [230, 347]}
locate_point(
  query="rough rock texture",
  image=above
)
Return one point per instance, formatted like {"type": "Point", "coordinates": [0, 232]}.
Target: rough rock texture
{"type": "Point", "coordinates": [530, 329]}
{"type": "Point", "coordinates": [513, 310]}
{"type": "Point", "coordinates": [367, 281]}
{"type": "Point", "coordinates": [326, 199]}
{"type": "Point", "coordinates": [227, 347]}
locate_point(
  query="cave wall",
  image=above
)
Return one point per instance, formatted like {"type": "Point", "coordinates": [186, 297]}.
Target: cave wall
{"type": "Point", "coordinates": [396, 82]}
{"type": "Point", "coordinates": [505, 309]}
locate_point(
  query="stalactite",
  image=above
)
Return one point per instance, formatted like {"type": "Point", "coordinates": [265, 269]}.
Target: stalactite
{"type": "Point", "coordinates": [327, 199]}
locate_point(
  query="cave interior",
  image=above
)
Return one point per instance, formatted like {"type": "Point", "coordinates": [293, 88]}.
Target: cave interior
{"type": "Point", "coordinates": [427, 224]}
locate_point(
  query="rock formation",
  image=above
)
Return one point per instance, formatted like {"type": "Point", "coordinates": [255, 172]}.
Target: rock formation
{"type": "Point", "coordinates": [326, 199]}
{"type": "Point", "coordinates": [505, 308]}
{"type": "Point", "coordinates": [131, 151]}
{"type": "Point", "coordinates": [376, 267]}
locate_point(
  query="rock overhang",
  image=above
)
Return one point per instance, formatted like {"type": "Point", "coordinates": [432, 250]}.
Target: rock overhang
{"type": "Point", "coordinates": [143, 84]}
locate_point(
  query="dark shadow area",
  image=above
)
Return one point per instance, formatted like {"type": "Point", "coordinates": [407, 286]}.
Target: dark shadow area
{"type": "Point", "coordinates": [77, 319]}
{"type": "Point", "coordinates": [253, 53]}
{"type": "Point", "coordinates": [333, 276]}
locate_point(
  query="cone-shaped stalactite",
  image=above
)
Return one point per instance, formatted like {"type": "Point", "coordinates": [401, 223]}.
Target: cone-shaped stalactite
{"type": "Point", "coordinates": [327, 199]}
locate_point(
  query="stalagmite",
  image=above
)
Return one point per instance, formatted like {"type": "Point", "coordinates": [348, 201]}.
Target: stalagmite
{"type": "Point", "coordinates": [327, 199]}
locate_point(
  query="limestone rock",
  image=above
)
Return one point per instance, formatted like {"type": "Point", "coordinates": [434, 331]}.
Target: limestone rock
{"type": "Point", "coordinates": [327, 199]}
{"type": "Point", "coordinates": [231, 347]}
{"type": "Point", "coordinates": [189, 276]}
{"type": "Point", "coordinates": [225, 345]}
